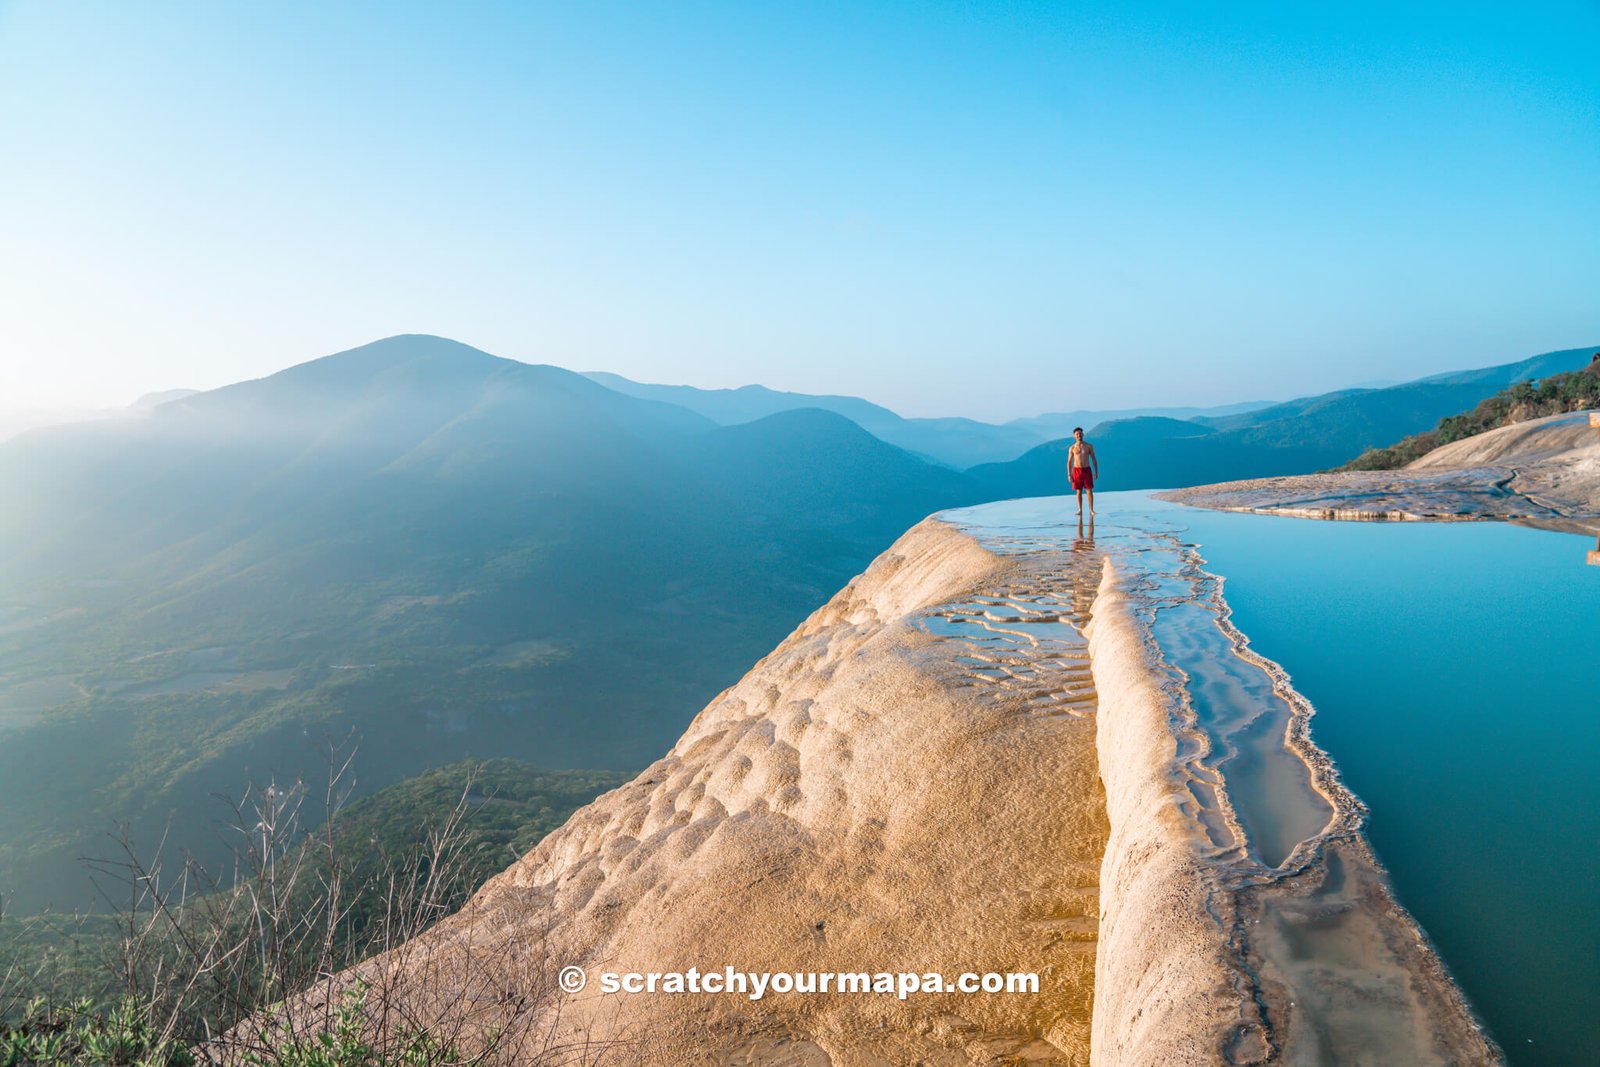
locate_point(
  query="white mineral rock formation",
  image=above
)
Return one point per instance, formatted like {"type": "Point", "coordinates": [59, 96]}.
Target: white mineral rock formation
{"type": "Point", "coordinates": [859, 801]}
{"type": "Point", "coordinates": [912, 783]}
{"type": "Point", "coordinates": [1544, 471]}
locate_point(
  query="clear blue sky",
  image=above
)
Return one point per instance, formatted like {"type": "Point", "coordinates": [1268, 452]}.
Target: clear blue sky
{"type": "Point", "coordinates": [990, 209]}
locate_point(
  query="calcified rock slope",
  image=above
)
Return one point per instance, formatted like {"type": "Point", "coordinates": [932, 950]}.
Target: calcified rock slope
{"type": "Point", "coordinates": [860, 801]}
{"type": "Point", "coordinates": [1544, 472]}
{"type": "Point", "coordinates": [930, 776]}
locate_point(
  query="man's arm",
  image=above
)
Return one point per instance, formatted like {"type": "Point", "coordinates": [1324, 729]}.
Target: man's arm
{"type": "Point", "coordinates": [1094, 458]}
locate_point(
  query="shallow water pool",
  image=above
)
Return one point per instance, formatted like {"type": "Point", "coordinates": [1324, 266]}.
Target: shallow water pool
{"type": "Point", "coordinates": [1455, 669]}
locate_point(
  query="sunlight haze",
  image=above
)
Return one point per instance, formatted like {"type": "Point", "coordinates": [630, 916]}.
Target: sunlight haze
{"type": "Point", "coordinates": [944, 208]}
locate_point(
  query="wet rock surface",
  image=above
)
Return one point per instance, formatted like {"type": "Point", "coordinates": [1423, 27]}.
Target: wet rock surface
{"type": "Point", "coordinates": [1545, 472]}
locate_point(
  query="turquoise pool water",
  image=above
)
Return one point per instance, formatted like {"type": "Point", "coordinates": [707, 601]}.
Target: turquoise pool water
{"type": "Point", "coordinates": [1455, 669]}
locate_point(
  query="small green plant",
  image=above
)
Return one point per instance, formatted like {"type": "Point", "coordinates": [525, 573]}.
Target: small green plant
{"type": "Point", "coordinates": [76, 1034]}
{"type": "Point", "coordinates": [123, 1037]}
{"type": "Point", "coordinates": [245, 968]}
{"type": "Point", "coordinates": [347, 1046]}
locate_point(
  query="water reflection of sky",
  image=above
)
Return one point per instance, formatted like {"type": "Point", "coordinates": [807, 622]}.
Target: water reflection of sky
{"type": "Point", "coordinates": [1454, 671]}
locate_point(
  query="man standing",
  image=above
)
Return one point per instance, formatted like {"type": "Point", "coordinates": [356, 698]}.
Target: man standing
{"type": "Point", "coordinates": [1084, 467]}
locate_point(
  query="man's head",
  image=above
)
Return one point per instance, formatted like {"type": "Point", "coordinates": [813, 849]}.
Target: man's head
{"type": "Point", "coordinates": [1077, 431]}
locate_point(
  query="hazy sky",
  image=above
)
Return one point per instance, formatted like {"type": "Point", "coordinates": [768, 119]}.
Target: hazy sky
{"type": "Point", "coordinates": [990, 209]}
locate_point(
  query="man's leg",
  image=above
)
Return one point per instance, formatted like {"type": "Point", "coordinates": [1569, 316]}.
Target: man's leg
{"type": "Point", "coordinates": [1091, 501]}
{"type": "Point", "coordinates": [1080, 501]}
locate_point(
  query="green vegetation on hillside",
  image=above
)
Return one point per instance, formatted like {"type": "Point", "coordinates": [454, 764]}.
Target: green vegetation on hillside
{"type": "Point", "coordinates": [1560, 393]}
{"type": "Point", "coordinates": [450, 555]}
{"type": "Point", "coordinates": [505, 808]}
{"type": "Point", "coordinates": [192, 954]}
{"type": "Point", "coordinates": [455, 556]}
{"type": "Point", "coordinates": [511, 806]}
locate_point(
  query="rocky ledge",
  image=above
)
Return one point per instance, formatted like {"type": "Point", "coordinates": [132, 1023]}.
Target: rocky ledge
{"type": "Point", "coordinates": [987, 754]}
{"type": "Point", "coordinates": [1543, 472]}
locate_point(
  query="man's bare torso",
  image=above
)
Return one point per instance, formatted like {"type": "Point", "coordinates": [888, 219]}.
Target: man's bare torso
{"type": "Point", "coordinates": [1081, 454]}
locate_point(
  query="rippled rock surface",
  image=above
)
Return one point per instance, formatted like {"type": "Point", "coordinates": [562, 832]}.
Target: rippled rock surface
{"type": "Point", "coordinates": [1244, 917]}
{"type": "Point", "coordinates": [1014, 744]}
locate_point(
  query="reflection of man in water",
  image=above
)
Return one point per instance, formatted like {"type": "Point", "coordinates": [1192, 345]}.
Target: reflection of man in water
{"type": "Point", "coordinates": [1084, 467]}
{"type": "Point", "coordinates": [1085, 573]}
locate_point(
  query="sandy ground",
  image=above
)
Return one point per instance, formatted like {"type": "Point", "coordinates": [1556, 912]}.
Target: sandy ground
{"type": "Point", "coordinates": [1544, 472]}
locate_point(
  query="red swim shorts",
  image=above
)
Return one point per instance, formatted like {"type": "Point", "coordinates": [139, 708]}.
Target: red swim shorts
{"type": "Point", "coordinates": [1082, 477]}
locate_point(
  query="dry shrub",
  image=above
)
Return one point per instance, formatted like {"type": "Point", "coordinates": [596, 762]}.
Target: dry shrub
{"type": "Point", "coordinates": [302, 953]}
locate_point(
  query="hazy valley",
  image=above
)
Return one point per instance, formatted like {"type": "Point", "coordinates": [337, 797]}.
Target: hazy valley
{"type": "Point", "coordinates": [446, 555]}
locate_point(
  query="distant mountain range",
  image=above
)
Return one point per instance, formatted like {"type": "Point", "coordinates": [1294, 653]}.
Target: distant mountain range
{"type": "Point", "coordinates": [1520, 402]}
{"type": "Point", "coordinates": [450, 553]}
{"type": "Point", "coordinates": [1145, 448]}
{"type": "Point", "coordinates": [1295, 437]}
{"type": "Point", "coordinates": [15, 420]}
{"type": "Point", "coordinates": [955, 442]}
{"type": "Point", "coordinates": [457, 555]}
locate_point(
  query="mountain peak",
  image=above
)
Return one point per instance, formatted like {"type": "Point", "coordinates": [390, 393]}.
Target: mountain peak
{"type": "Point", "coordinates": [406, 364]}
{"type": "Point", "coordinates": [401, 349]}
